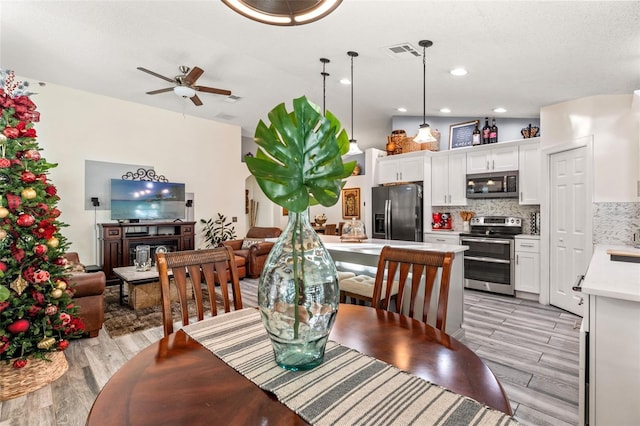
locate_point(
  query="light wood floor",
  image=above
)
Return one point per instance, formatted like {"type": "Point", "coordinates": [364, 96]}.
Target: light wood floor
{"type": "Point", "coordinates": [533, 350]}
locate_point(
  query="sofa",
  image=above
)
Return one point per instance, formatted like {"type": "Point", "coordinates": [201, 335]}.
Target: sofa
{"type": "Point", "coordinates": [253, 248]}
{"type": "Point", "coordinates": [88, 295]}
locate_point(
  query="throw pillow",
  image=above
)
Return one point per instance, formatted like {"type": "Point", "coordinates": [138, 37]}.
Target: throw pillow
{"type": "Point", "coordinates": [246, 243]}
{"type": "Point", "coordinates": [74, 267]}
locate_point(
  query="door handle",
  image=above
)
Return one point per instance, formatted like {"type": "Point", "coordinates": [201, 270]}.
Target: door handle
{"type": "Point", "coordinates": [493, 164]}
{"type": "Point", "coordinates": [578, 284]}
{"type": "Point", "coordinates": [520, 195]}
{"type": "Point", "coordinates": [487, 164]}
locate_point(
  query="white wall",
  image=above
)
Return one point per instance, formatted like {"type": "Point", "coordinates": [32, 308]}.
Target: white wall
{"type": "Point", "coordinates": [76, 126]}
{"type": "Point", "coordinates": [615, 129]}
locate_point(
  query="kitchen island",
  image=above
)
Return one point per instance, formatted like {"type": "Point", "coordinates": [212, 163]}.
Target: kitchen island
{"type": "Point", "coordinates": [362, 258]}
{"type": "Point", "coordinates": [610, 340]}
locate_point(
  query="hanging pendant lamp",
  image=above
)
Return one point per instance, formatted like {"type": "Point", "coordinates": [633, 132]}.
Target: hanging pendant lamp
{"type": "Point", "coordinates": [424, 132]}
{"type": "Point", "coordinates": [324, 75]}
{"type": "Point", "coordinates": [284, 12]}
{"type": "Point", "coordinates": [353, 144]}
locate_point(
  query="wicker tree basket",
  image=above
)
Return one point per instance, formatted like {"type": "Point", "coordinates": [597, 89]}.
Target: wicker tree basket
{"type": "Point", "coordinates": [36, 374]}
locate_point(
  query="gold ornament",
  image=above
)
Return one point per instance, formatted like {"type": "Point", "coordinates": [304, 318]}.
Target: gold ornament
{"type": "Point", "coordinates": [3, 234]}
{"type": "Point", "coordinates": [53, 242]}
{"type": "Point", "coordinates": [19, 284]}
{"type": "Point", "coordinates": [61, 285]}
{"type": "Point", "coordinates": [46, 343]}
{"type": "Point", "coordinates": [56, 293]}
{"type": "Point", "coordinates": [29, 193]}
{"type": "Point", "coordinates": [3, 212]}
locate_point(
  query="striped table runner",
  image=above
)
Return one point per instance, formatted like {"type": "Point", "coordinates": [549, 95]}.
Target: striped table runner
{"type": "Point", "coordinates": [347, 388]}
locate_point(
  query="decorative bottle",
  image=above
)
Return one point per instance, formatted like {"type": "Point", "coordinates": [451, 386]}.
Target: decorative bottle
{"type": "Point", "coordinates": [476, 134]}
{"type": "Point", "coordinates": [493, 132]}
{"type": "Point", "coordinates": [486, 131]}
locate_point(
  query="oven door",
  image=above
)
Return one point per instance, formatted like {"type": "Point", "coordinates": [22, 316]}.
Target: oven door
{"type": "Point", "coordinates": [488, 264]}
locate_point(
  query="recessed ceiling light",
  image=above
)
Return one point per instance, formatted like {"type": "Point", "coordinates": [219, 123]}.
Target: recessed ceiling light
{"type": "Point", "coordinates": [345, 81]}
{"type": "Point", "coordinates": [499, 109]}
{"type": "Point", "coordinates": [446, 110]}
{"type": "Point", "coordinates": [458, 71]}
{"type": "Point", "coordinates": [402, 109]}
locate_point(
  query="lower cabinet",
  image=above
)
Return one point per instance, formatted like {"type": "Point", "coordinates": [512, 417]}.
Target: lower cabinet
{"type": "Point", "coordinates": [527, 264]}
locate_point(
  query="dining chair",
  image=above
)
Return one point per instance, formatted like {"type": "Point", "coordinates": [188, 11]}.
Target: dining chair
{"type": "Point", "coordinates": [331, 229]}
{"type": "Point", "coordinates": [398, 265]}
{"type": "Point", "coordinates": [196, 266]}
{"type": "Point", "coordinates": [340, 226]}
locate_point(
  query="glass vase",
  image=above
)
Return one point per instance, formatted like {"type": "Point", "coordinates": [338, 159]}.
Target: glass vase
{"type": "Point", "coordinates": [298, 295]}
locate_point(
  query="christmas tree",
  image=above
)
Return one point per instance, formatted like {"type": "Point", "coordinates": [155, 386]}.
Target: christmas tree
{"type": "Point", "coordinates": [37, 314]}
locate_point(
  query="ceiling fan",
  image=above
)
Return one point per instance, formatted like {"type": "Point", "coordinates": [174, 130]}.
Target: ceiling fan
{"type": "Point", "coordinates": [185, 86]}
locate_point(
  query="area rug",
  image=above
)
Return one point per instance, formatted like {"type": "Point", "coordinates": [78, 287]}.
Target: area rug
{"type": "Point", "coordinates": [123, 319]}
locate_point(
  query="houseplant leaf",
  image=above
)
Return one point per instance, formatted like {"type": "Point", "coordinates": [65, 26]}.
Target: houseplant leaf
{"type": "Point", "coordinates": [299, 162]}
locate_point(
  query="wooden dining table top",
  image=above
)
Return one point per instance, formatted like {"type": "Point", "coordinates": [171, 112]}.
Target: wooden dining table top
{"type": "Point", "coordinates": [178, 381]}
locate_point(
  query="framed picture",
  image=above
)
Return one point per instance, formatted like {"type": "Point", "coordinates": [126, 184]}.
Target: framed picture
{"type": "Point", "coordinates": [461, 134]}
{"type": "Point", "coordinates": [351, 203]}
{"type": "Point", "coordinates": [285, 211]}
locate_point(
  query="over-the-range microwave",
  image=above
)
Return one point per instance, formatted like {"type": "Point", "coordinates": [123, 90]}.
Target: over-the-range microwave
{"type": "Point", "coordinates": [493, 185]}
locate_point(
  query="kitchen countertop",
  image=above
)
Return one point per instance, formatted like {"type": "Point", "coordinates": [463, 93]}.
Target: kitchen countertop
{"type": "Point", "coordinates": [374, 246]}
{"type": "Point", "coordinates": [528, 236]}
{"type": "Point", "coordinates": [618, 280]}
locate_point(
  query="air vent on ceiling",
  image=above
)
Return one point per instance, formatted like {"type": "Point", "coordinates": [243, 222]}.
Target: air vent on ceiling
{"type": "Point", "coordinates": [232, 99]}
{"type": "Point", "coordinates": [224, 116]}
{"type": "Point", "coordinates": [403, 51]}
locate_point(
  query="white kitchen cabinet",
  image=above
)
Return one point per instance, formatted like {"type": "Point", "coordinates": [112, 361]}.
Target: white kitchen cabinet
{"type": "Point", "coordinates": [529, 163]}
{"type": "Point", "coordinates": [401, 168]}
{"type": "Point", "coordinates": [487, 160]}
{"type": "Point", "coordinates": [448, 180]}
{"type": "Point", "coordinates": [527, 264]}
{"type": "Point", "coordinates": [442, 237]}
{"type": "Point", "coordinates": [610, 340]}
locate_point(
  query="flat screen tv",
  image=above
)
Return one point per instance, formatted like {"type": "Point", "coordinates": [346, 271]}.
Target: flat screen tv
{"type": "Point", "coordinates": [143, 200]}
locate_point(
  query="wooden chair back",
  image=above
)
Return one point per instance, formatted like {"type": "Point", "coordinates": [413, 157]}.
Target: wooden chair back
{"type": "Point", "coordinates": [400, 264]}
{"type": "Point", "coordinates": [196, 265]}
{"type": "Point", "coordinates": [331, 229]}
{"type": "Point", "coordinates": [340, 226]}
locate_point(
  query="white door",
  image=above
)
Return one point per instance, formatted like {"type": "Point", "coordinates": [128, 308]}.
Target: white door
{"type": "Point", "coordinates": [570, 247]}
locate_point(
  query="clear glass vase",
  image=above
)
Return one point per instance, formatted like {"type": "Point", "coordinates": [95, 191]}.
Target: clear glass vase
{"type": "Point", "coordinates": [298, 295]}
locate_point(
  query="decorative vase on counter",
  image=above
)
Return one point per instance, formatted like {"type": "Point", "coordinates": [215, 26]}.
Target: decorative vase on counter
{"type": "Point", "coordinates": [298, 295]}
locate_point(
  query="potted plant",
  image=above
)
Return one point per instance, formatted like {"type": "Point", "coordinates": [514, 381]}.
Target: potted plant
{"type": "Point", "coordinates": [215, 231]}
{"type": "Point", "coordinates": [298, 164]}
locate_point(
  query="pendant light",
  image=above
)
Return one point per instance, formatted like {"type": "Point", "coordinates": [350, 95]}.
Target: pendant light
{"type": "Point", "coordinates": [353, 144]}
{"type": "Point", "coordinates": [324, 75]}
{"type": "Point", "coordinates": [284, 12]}
{"type": "Point", "coordinates": [424, 133]}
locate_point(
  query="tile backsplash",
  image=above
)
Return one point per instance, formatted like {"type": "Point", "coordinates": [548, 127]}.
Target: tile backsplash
{"type": "Point", "coordinates": [616, 223]}
{"type": "Point", "coordinates": [490, 207]}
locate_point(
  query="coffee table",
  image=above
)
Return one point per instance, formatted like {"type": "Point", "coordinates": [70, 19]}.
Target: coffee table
{"type": "Point", "coordinates": [143, 287]}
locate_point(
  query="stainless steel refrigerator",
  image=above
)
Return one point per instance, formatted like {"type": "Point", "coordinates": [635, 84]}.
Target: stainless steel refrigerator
{"type": "Point", "coordinates": [397, 212]}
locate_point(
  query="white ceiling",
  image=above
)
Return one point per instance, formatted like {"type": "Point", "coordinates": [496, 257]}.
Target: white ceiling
{"type": "Point", "coordinates": [521, 55]}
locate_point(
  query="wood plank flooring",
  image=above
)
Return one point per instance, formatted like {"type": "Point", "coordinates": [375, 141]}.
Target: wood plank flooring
{"type": "Point", "coordinates": [533, 349]}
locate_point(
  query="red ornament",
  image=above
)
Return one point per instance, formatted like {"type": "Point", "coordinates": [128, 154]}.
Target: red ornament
{"type": "Point", "coordinates": [32, 154]}
{"type": "Point", "coordinates": [19, 326]}
{"type": "Point", "coordinates": [25, 220]}
{"type": "Point", "coordinates": [51, 190]}
{"type": "Point", "coordinates": [62, 345]}
{"type": "Point", "coordinates": [13, 201]}
{"type": "Point", "coordinates": [3, 266]}
{"type": "Point", "coordinates": [42, 178]}
{"type": "Point", "coordinates": [11, 132]}
{"type": "Point", "coordinates": [40, 249]}
{"type": "Point", "coordinates": [60, 261]}
{"type": "Point", "coordinates": [28, 177]}
{"type": "Point", "coordinates": [4, 163]}
{"type": "Point", "coordinates": [19, 363]}
{"type": "Point", "coordinates": [54, 212]}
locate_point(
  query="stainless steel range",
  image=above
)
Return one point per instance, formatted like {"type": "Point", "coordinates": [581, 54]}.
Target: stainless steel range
{"type": "Point", "coordinates": [489, 264]}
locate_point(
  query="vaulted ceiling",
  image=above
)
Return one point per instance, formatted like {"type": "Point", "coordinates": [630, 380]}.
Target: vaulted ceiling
{"type": "Point", "coordinates": [519, 55]}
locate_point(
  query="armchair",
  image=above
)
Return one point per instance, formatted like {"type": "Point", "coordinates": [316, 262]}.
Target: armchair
{"type": "Point", "coordinates": [88, 296]}
{"type": "Point", "coordinates": [253, 249]}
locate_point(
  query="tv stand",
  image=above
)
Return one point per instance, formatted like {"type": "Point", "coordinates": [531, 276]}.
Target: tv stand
{"type": "Point", "coordinates": [119, 241]}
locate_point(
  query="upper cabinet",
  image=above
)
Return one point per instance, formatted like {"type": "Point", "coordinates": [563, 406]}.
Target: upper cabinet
{"type": "Point", "coordinates": [495, 159]}
{"type": "Point", "coordinates": [401, 168]}
{"type": "Point", "coordinates": [448, 179]}
{"type": "Point", "coordinates": [530, 169]}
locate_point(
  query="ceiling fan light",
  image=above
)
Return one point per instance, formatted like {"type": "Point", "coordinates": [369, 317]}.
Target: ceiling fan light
{"type": "Point", "coordinates": [286, 12]}
{"type": "Point", "coordinates": [424, 135]}
{"type": "Point", "coordinates": [184, 91]}
{"type": "Point", "coordinates": [354, 149]}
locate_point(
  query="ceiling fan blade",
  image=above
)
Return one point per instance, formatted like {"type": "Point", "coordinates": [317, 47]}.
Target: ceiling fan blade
{"type": "Point", "coordinates": [212, 90]}
{"type": "Point", "coordinates": [155, 92]}
{"type": "Point", "coordinates": [196, 100]}
{"type": "Point", "coordinates": [170, 80]}
{"type": "Point", "coordinates": [193, 75]}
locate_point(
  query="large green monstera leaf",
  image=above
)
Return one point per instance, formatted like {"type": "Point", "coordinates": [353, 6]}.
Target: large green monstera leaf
{"type": "Point", "coordinates": [299, 162]}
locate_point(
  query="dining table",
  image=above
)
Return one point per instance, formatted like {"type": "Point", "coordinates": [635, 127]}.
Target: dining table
{"type": "Point", "coordinates": [177, 380]}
